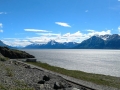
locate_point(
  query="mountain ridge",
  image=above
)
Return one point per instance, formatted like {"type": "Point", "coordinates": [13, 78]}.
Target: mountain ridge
{"type": "Point", "coordinates": [100, 42]}
{"type": "Point", "coordinates": [52, 45]}
{"type": "Point", "coordinates": [94, 42]}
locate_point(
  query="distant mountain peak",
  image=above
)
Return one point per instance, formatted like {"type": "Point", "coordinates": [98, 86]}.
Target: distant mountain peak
{"type": "Point", "coordinates": [94, 42]}
{"type": "Point", "coordinates": [101, 42]}
{"type": "Point", "coordinates": [52, 42]}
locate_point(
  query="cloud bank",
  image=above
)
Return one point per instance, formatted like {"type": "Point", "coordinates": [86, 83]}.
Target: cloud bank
{"type": "Point", "coordinates": [44, 37]}
{"type": "Point", "coordinates": [63, 24]}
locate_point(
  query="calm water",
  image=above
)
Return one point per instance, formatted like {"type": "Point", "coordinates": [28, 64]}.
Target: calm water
{"type": "Point", "coordinates": [94, 61]}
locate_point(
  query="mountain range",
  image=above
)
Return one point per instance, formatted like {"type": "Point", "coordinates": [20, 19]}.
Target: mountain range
{"type": "Point", "coordinates": [52, 45]}
{"type": "Point", "coordinates": [94, 42]}
{"type": "Point", "coordinates": [101, 42]}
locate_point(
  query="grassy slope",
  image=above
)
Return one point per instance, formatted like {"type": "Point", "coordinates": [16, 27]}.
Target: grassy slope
{"type": "Point", "coordinates": [2, 58]}
{"type": "Point", "coordinates": [95, 78]}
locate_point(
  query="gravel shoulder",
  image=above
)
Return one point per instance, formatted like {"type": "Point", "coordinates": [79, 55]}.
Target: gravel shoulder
{"type": "Point", "coordinates": [17, 75]}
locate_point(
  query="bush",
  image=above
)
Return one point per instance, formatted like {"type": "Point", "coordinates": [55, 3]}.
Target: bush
{"type": "Point", "coordinates": [3, 59]}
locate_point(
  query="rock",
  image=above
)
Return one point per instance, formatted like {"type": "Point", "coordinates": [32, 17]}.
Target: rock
{"type": "Point", "coordinates": [31, 60]}
{"type": "Point", "coordinates": [41, 82]}
{"type": "Point", "coordinates": [27, 66]}
{"type": "Point", "coordinates": [75, 89]}
{"type": "Point", "coordinates": [58, 85]}
{"type": "Point", "coordinates": [14, 53]}
{"type": "Point", "coordinates": [15, 63]}
{"type": "Point", "coordinates": [83, 88]}
{"type": "Point", "coordinates": [10, 62]}
{"type": "Point", "coordinates": [41, 86]}
{"type": "Point", "coordinates": [46, 78]}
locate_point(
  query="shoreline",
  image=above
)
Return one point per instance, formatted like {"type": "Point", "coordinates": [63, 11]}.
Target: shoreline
{"type": "Point", "coordinates": [78, 80]}
{"type": "Point", "coordinates": [102, 62]}
{"type": "Point", "coordinates": [31, 74]}
{"type": "Point", "coordinates": [105, 79]}
{"type": "Point", "coordinates": [17, 75]}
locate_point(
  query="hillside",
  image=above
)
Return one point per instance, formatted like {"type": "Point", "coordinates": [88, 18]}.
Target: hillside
{"type": "Point", "coordinates": [101, 42]}
{"type": "Point", "coordinates": [13, 53]}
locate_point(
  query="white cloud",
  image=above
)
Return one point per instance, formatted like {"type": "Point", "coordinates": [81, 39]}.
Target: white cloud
{"type": "Point", "coordinates": [45, 37]}
{"type": "Point", "coordinates": [39, 40]}
{"type": "Point", "coordinates": [1, 25]}
{"type": "Point", "coordinates": [73, 37]}
{"type": "Point", "coordinates": [16, 42]}
{"type": "Point", "coordinates": [93, 32]}
{"type": "Point", "coordinates": [36, 30]}
{"type": "Point", "coordinates": [76, 34]}
{"type": "Point", "coordinates": [3, 12]}
{"type": "Point", "coordinates": [119, 28]}
{"type": "Point", "coordinates": [63, 24]}
{"type": "Point", "coordinates": [48, 34]}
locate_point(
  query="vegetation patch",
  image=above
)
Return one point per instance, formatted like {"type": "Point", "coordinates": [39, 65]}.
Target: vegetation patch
{"type": "Point", "coordinates": [2, 87]}
{"type": "Point", "coordinates": [95, 78]}
{"type": "Point", "coordinates": [2, 58]}
{"type": "Point", "coordinates": [9, 72]}
{"type": "Point", "coordinates": [21, 85]}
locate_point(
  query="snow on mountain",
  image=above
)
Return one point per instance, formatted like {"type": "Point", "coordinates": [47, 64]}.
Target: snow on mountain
{"type": "Point", "coordinates": [109, 37]}
{"type": "Point", "coordinates": [101, 42]}
{"type": "Point", "coordinates": [52, 45]}
{"type": "Point", "coordinates": [105, 37]}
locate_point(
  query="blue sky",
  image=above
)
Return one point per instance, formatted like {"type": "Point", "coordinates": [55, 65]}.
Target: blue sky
{"type": "Point", "coordinates": [23, 22]}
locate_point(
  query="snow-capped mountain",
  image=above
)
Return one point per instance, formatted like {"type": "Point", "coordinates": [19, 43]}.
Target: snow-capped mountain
{"type": "Point", "coordinates": [101, 42]}
{"type": "Point", "coordinates": [52, 45]}
{"type": "Point", "coordinates": [109, 37]}
{"type": "Point", "coordinates": [95, 42]}
{"type": "Point", "coordinates": [105, 37]}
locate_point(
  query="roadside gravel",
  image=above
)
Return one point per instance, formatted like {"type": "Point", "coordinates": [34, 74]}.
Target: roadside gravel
{"type": "Point", "coordinates": [16, 75]}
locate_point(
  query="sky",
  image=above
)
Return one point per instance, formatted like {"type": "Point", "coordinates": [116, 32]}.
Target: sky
{"type": "Point", "coordinates": [23, 22]}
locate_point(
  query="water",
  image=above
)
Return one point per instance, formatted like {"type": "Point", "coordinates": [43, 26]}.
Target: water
{"type": "Point", "coordinates": [105, 62]}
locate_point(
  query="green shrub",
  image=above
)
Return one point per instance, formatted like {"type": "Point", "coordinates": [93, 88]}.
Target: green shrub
{"type": "Point", "coordinates": [2, 87]}
{"type": "Point", "coordinates": [3, 59]}
{"type": "Point", "coordinates": [9, 72]}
